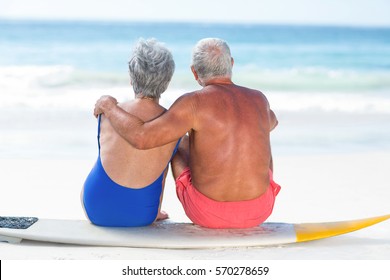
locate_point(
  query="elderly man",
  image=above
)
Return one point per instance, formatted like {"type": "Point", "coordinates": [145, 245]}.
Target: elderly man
{"type": "Point", "coordinates": [225, 180]}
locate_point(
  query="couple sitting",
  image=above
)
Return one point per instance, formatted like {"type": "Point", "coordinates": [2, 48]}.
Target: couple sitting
{"type": "Point", "coordinates": [217, 140]}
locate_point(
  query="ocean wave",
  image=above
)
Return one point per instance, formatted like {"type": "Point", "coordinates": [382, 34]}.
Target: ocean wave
{"type": "Point", "coordinates": [56, 76]}
{"type": "Point", "coordinates": [362, 102]}
{"type": "Point", "coordinates": [313, 79]}
{"type": "Point", "coordinates": [294, 79]}
{"type": "Point", "coordinates": [62, 86]}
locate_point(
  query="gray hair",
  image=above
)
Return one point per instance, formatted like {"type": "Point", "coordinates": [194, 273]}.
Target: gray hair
{"type": "Point", "coordinates": [211, 58]}
{"type": "Point", "coordinates": [151, 68]}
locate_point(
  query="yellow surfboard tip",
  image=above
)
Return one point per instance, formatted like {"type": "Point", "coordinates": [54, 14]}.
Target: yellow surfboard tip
{"type": "Point", "coordinates": [313, 231]}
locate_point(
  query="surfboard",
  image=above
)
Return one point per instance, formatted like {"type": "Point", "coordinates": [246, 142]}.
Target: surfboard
{"type": "Point", "coordinates": [171, 235]}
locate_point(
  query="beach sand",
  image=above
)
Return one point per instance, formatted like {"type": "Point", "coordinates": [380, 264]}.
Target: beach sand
{"type": "Point", "coordinates": [315, 188]}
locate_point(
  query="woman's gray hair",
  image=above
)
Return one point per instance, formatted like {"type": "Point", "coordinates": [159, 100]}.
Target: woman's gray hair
{"type": "Point", "coordinates": [211, 58]}
{"type": "Point", "coordinates": [151, 68]}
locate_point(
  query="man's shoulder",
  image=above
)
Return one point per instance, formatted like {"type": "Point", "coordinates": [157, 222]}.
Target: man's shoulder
{"type": "Point", "coordinates": [190, 95]}
{"type": "Point", "coordinates": [186, 100]}
{"type": "Point", "coordinates": [254, 93]}
{"type": "Point", "coordinates": [248, 89]}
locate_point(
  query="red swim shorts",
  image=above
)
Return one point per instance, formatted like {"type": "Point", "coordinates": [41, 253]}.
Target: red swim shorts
{"type": "Point", "coordinates": [210, 213]}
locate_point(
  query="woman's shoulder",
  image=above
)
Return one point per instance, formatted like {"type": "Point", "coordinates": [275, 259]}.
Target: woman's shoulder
{"type": "Point", "coordinates": [127, 105]}
{"type": "Point", "coordinates": [143, 110]}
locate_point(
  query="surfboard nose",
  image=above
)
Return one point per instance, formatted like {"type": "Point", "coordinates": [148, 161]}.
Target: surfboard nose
{"type": "Point", "coordinates": [313, 231]}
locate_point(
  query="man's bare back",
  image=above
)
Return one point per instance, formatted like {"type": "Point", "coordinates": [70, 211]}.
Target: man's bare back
{"type": "Point", "coordinates": [230, 149]}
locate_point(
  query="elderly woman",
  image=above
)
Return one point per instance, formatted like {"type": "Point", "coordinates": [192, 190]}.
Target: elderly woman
{"type": "Point", "coordinates": [125, 186]}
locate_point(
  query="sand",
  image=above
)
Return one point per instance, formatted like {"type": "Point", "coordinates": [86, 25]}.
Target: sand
{"type": "Point", "coordinates": [314, 188]}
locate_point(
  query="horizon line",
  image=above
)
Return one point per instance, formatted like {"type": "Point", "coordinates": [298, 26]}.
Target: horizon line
{"type": "Point", "coordinates": [204, 22]}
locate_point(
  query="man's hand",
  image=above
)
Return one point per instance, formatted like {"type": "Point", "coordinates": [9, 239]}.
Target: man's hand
{"type": "Point", "coordinates": [104, 104]}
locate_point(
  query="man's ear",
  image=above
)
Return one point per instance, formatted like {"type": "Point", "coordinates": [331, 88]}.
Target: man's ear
{"type": "Point", "coordinates": [194, 72]}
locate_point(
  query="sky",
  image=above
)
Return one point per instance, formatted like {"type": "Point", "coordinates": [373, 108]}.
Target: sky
{"type": "Point", "coordinates": [320, 12]}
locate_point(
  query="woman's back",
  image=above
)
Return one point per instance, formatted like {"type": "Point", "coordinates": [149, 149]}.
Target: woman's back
{"type": "Point", "coordinates": [124, 188]}
{"type": "Point", "coordinates": [126, 165]}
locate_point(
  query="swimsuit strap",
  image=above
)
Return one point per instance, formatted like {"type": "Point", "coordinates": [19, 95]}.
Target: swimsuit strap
{"type": "Point", "coordinates": [98, 134]}
{"type": "Point", "coordinates": [175, 150]}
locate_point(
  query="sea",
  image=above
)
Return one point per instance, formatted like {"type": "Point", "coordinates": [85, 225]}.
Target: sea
{"type": "Point", "coordinates": [328, 85]}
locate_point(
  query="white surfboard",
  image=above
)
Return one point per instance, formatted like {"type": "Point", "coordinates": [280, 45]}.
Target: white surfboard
{"type": "Point", "coordinates": [167, 234]}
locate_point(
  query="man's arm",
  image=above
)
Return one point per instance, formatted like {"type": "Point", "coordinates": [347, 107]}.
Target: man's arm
{"type": "Point", "coordinates": [273, 121]}
{"type": "Point", "coordinates": [146, 135]}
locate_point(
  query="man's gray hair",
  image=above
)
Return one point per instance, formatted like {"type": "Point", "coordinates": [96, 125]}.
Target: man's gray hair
{"type": "Point", "coordinates": [151, 68]}
{"type": "Point", "coordinates": [211, 58]}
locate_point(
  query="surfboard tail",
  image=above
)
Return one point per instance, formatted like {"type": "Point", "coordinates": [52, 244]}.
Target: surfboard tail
{"type": "Point", "coordinates": [313, 231]}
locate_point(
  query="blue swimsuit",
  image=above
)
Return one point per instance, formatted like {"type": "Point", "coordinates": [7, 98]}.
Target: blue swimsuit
{"type": "Point", "coordinates": [109, 204]}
